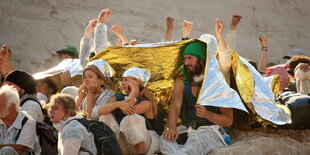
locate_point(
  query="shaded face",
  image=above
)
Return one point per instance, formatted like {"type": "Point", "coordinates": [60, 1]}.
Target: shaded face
{"type": "Point", "coordinates": [90, 76]}
{"type": "Point", "coordinates": [193, 65]}
{"type": "Point", "coordinates": [43, 88]}
{"type": "Point", "coordinates": [125, 83]}
{"type": "Point", "coordinates": [19, 90]}
{"type": "Point", "coordinates": [4, 106]}
{"type": "Point", "coordinates": [56, 112]}
{"type": "Point", "coordinates": [63, 56]}
{"type": "Point", "coordinates": [190, 62]}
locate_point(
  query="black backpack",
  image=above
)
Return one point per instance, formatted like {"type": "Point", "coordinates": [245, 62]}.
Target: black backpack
{"type": "Point", "coordinates": [47, 137]}
{"type": "Point", "coordinates": [105, 139]}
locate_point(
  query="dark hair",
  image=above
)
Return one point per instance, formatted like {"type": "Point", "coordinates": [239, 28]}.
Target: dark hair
{"type": "Point", "coordinates": [66, 101]}
{"type": "Point", "coordinates": [50, 84]}
{"type": "Point", "coordinates": [294, 61]}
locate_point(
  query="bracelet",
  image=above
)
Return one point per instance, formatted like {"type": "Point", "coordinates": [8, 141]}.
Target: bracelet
{"type": "Point", "coordinates": [186, 38]}
{"type": "Point", "coordinates": [264, 48]}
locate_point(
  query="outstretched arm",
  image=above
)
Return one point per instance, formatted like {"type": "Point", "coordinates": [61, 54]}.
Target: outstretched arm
{"type": "Point", "coordinates": [169, 21]}
{"type": "Point", "coordinates": [86, 42]}
{"type": "Point", "coordinates": [187, 28]}
{"type": "Point", "coordinates": [263, 59]}
{"type": "Point", "coordinates": [118, 30]}
{"type": "Point", "coordinates": [231, 36]}
{"type": "Point", "coordinates": [223, 50]}
{"type": "Point", "coordinates": [100, 36]}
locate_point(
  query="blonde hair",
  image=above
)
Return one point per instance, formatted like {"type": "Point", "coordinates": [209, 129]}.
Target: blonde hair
{"type": "Point", "coordinates": [146, 93]}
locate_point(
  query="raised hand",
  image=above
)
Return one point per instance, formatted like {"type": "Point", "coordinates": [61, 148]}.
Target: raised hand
{"type": "Point", "coordinates": [118, 30]}
{"type": "Point", "coordinates": [263, 40]}
{"type": "Point", "coordinates": [187, 28]}
{"type": "Point", "coordinates": [235, 21]}
{"type": "Point", "coordinates": [90, 28]}
{"type": "Point", "coordinates": [104, 15]}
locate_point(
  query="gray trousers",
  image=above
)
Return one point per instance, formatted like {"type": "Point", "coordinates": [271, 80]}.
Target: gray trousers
{"type": "Point", "coordinates": [198, 143]}
{"type": "Point", "coordinates": [8, 151]}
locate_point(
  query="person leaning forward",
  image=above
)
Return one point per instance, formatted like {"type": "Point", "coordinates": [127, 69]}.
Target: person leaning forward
{"type": "Point", "coordinates": [198, 123]}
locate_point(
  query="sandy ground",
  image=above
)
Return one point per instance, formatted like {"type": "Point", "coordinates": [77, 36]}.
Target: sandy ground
{"type": "Point", "coordinates": [267, 142]}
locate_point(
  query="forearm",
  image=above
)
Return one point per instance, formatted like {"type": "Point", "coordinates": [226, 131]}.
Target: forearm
{"type": "Point", "coordinates": [263, 60]}
{"type": "Point", "coordinates": [220, 119]}
{"type": "Point", "coordinates": [231, 38]}
{"type": "Point", "coordinates": [85, 46]}
{"type": "Point", "coordinates": [78, 102]}
{"type": "Point", "coordinates": [18, 148]}
{"type": "Point", "coordinates": [168, 35]}
{"type": "Point", "coordinates": [90, 104]}
{"type": "Point", "coordinates": [100, 37]}
{"type": "Point", "coordinates": [173, 118]}
{"type": "Point", "coordinates": [108, 108]}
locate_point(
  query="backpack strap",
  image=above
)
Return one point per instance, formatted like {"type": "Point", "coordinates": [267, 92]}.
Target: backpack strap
{"type": "Point", "coordinates": [20, 130]}
{"type": "Point", "coordinates": [33, 98]}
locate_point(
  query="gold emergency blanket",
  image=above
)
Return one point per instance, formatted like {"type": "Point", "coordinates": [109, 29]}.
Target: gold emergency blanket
{"type": "Point", "coordinates": [215, 91]}
{"type": "Point", "coordinates": [68, 65]}
{"type": "Point", "coordinates": [157, 58]}
{"type": "Point", "coordinates": [256, 94]}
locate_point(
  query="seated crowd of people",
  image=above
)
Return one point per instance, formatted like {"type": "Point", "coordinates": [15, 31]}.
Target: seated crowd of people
{"type": "Point", "coordinates": [132, 114]}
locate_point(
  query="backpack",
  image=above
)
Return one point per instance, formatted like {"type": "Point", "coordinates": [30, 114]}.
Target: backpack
{"type": "Point", "coordinates": [47, 137]}
{"type": "Point", "coordinates": [299, 104]}
{"type": "Point", "coordinates": [44, 111]}
{"type": "Point", "coordinates": [104, 137]}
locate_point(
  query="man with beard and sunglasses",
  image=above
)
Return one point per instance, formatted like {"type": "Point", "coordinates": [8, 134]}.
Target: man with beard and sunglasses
{"type": "Point", "coordinates": [201, 127]}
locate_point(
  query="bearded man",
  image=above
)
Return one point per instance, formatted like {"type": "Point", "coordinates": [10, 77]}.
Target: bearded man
{"type": "Point", "coordinates": [201, 128]}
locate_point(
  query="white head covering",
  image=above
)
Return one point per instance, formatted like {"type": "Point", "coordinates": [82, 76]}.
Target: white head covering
{"type": "Point", "coordinates": [103, 66]}
{"type": "Point", "coordinates": [70, 90]}
{"type": "Point", "coordinates": [138, 73]}
{"type": "Point", "coordinates": [211, 42]}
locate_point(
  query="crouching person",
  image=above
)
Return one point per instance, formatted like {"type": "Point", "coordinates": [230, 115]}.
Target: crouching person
{"type": "Point", "coordinates": [132, 115]}
{"type": "Point", "coordinates": [73, 137]}
{"type": "Point", "coordinates": [15, 138]}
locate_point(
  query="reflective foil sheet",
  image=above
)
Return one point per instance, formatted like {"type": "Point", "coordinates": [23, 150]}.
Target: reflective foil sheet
{"type": "Point", "coordinates": [273, 82]}
{"type": "Point", "coordinates": [215, 91]}
{"type": "Point", "coordinates": [263, 100]}
{"type": "Point", "coordinates": [68, 65]}
{"type": "Point", "coordinates": [158, 58]}
{"type": "Point", "coordinates": [103, 66]}
{"type": "Point", "coordinates": [138, 73]}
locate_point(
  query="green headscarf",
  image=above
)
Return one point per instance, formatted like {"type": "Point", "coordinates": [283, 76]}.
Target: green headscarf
{"type": "Point", "coordinates": [197, 49]}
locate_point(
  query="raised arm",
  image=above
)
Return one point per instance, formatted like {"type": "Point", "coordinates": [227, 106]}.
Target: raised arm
{"type": "Point", "coordinates": [100, 35]}
{"type": "Point", "coordinates": [223, 50]}
{"type": "Point", "coordinates": [86, 42]}
{"type": "Point", "coordinates": [187, 28]}
{"type": "Point", "coordinates": [231, 36]}
{"type": "Point", "coordinates": [263, 59]}
{"type": "Point", "coordinates": [5, 64]}
{"type": "Point", "coordinates": [169, 21]}
{"type": "Point", "coordinates": [118, 30]}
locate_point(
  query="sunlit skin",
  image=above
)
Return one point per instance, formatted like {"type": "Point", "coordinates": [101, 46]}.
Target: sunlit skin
{"type": "Point", "coordinates": [4, 110]}
{"type": "Point", "coordinates": [125, 82]}
{"type": "Point", "coordinates": [91, 79]}
{"type": "Point", "coordinates": [57, 112]}
{"type": "Point", "coordinates": [190, 62]}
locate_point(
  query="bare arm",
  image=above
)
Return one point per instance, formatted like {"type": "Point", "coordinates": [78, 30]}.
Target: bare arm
{"type": "Point", "coordinates": [169, 21]}
{"type": "Point", "coordinates": [118, 30]}
{"type": "Point", "coordinates": [174, 110]}
{"type": "Point", "coordinates": [263, 59]}
{"type": "Point", "coordinates": [225, 118]}
{"type": "Point", "coordinates": [187, 28]}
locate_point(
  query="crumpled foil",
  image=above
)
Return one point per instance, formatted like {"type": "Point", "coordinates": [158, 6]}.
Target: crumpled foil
{"type": "Point", "coordinates": [158, 58]}
{"type": "Point", "coordinates": [68, 65]}
{"type": "Point", "coordinates": [140, 74]}
{"type": "Point", "coordinates": [103, 66]}
{"type": "Point", "coordinates": [215, 91]}
{"type": "Point", "coordinates": [258, 97]}
{"type": "Point", "coordinates": [273, 83]}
